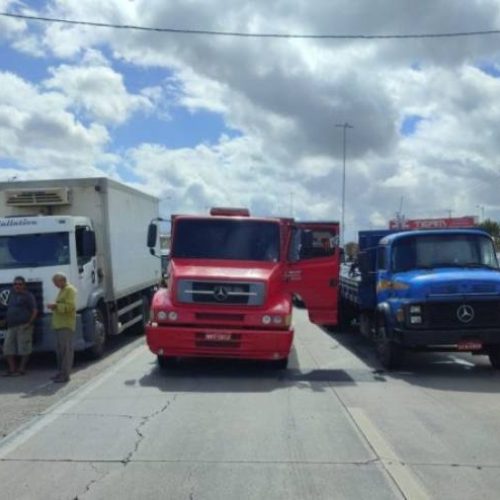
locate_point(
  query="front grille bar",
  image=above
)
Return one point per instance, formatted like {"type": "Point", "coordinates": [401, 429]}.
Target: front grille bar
{"type": "Point", "coordinates": [211, 292]}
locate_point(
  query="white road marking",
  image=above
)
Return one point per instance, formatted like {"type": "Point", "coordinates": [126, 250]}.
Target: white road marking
{"type": "Point", "coordinates": [405, 480]}
{"type": "Point", "coordinates": [461, 361]}
{"type": "Point", "coordinates": [25, 432]}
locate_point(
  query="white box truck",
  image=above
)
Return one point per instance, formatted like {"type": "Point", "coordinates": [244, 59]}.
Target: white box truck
{"type": "Point", "coordinates": [92, 229]}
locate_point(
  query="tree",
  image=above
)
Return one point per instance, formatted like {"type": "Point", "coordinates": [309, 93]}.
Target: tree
{"type": "Point", "coordinates": [493, 228]}
{"type": "Point", "coordinates": [351, 250]}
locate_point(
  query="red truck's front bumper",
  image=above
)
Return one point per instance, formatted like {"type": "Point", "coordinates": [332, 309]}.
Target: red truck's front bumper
{"type": "Point", "coordinates": [189, 341]}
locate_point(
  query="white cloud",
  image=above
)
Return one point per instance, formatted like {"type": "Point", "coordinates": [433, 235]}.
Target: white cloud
{"type": "Point", "coordinates": [39, 133]}
{"type": "Point", "coordinates": [98, 90]}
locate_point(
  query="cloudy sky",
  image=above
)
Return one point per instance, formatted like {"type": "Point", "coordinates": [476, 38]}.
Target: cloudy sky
{"type": "Point", "coordinates": [201, 120]}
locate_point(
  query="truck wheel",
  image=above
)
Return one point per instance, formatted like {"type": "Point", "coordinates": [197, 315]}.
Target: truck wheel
{"type": "Point", "coordinates": [298, 302]}
{"type": "Point", "coordinates": [389, 352]}
{"type": "Point", "coordinates": [166, 362]}
{"type": "Point", "coordinates": [344, 319]}
{"type": "Point", "coordinates": [280, 364]}
{"type": "Point", "coordinates": [494, 355]}
{"type": "Point", "coordinates": [100, 334]}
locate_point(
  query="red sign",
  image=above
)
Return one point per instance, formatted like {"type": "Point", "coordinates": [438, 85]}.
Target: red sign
{"type": "Point", "coordinates": [444, 223]}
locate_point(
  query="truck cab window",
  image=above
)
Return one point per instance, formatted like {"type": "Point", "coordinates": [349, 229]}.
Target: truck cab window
{"type": "Point", "coordinates": [317, 243]}
{"type": "Point", "coordinates": [34, 250]}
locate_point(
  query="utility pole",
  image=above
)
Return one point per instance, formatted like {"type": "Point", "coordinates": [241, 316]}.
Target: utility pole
{"type": "Point", "coordinates": [344, 127]}
{"type": "Point", "coordinates": [481, 217]}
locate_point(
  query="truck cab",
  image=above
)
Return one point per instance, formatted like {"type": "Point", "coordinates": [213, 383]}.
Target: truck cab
{"type": "Point", "coordinates": [36, 247]}
{"type": "Point", "coordinates": [230, 285]}
{"type": "Point", "coordinates": [435, 290]}
{"type": "Point", "coordinates": [76, 226]}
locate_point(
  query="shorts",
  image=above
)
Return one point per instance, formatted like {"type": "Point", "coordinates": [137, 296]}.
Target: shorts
{"type": "Point", "coordinates": [18, 341]}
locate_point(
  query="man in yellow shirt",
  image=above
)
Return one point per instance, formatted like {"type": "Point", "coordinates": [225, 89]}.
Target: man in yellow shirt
{"type": "Point", "coordinates": [64, 325]}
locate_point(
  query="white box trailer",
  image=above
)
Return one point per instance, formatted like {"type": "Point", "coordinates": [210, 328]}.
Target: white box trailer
{"type": "Point", "coordinates": [92, 229]}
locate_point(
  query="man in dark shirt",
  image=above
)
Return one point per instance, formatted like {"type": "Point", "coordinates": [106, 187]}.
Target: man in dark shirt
{"type": "Point", "coordinates": [21, 313]}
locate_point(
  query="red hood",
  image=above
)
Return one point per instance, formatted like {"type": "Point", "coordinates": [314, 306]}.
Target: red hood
{"type": "Point", "coordinates": [261, 271]}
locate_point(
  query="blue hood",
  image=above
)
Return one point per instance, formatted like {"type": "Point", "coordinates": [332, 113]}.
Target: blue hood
{"type": "Point", "coordinates": [443, 282]}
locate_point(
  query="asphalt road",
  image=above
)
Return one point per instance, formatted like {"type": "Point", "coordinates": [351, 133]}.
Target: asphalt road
{"type": "Point", "coordinates": [332, 426]}
{"type": "Point", "coordinates": [22, 398]}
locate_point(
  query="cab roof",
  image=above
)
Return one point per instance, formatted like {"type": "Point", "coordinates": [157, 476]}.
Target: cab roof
{"type": "Point", "coordinates": [390, 238]}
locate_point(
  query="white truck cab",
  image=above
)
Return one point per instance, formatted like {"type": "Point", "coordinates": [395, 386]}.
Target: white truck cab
{"type": "Point", "coordinates": [93, 230]}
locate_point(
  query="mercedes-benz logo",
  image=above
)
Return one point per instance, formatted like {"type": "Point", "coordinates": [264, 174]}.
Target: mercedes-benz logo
{"type": "Point", "coordinates": [4, 297]}
{"type": "Point", "coordinates": [220, 293]}
{"type": "Point", "coordinates": [465, 313]}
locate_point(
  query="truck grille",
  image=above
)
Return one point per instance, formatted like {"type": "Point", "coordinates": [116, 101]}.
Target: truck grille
{"type": "Point", "coordinates": [35, 287]}
{"type": "Point", "coordinates": [454, 289]}
{"type": "Point", "coordinates": [221, 293]}
{"type": "Point", "coordinates": [446, 315]}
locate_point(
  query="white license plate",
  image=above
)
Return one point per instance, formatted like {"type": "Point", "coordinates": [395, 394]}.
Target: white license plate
{"type": "Point", "coordinates": [469, 345]}
{"type": "Point", "coordinates": [218, 337]}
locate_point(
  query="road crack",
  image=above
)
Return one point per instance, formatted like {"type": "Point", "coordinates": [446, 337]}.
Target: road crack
{"type": "Point", "coordinates": [144, 421]}
{"type": "Point", "coordinates": [90, 484]}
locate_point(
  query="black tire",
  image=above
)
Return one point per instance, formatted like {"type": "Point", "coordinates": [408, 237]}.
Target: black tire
{"type": "Point", "coordinates": [166, 362]}
{"type": "Point", "coordinates": [298, 303]}
{"type": "Point", "coordinates": [100, 329]}
{"type": "Point", "coordinates": [344, 319]}
{"type": "Point", "coordinates": [389, 352]}
{"type": "Point", "coordinates": [280, 364]}
{"type": "Point", "coordinates": [494, 355]}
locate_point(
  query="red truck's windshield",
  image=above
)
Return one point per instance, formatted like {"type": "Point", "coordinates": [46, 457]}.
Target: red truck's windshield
{"type": "Point", "coordinates": [238, 239]}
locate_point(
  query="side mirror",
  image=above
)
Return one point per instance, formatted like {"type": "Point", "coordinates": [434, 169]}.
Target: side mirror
{"type": "Point", "coordinates": [88, 244]}
{"type": "Point", "coordinates": [152, 236]}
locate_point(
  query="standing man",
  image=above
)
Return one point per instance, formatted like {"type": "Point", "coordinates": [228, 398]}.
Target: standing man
{"type": "Point", "coordinates": [21, 314]}
{"type": "Point", "coordinates": [64, 325]}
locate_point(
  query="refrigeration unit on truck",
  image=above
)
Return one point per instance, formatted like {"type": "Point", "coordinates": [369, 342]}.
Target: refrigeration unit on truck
{"type": "Point", "coordinates": [230, 285]}
{"type": "Point", "coordinates": [434, 290]}
{"type": "Point", "coordinates": [91, 229]}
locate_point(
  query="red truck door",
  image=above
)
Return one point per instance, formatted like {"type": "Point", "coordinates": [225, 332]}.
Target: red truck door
{"type": "Point", "coordinates": [313, 268]}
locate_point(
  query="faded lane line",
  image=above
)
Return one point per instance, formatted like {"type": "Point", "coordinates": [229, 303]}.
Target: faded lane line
{"type": "Point", "coordinates": [25, 432]}
{"type": "Point", "coordinates": [400, 475]}
{"type": "Point", "coordinates": [408, 484]}
{"type": "Point", "coordinates": [461, 361]}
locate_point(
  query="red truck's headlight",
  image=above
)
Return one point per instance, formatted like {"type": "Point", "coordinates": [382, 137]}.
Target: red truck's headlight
{"type": "Point", "coordinates": [166, 315]}
{"type": "Point", "coordinates": [276, 319]}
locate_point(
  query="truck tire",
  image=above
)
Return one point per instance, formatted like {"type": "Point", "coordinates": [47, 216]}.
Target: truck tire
{"type": "Point", "coordinates": [100, 333]}
{"type": "Point", "coordinates": [298, 302]}
{"type": "Point", "coordinates": [389, 353]}
{"type": "Point", "coordinates": [344, 319]}
{"type": "Point", "coordinates": [494, 355]}
{"type": "Point", "coordinates": [166, 362]}
{"type": "Point", "coordinates": [280, 364]}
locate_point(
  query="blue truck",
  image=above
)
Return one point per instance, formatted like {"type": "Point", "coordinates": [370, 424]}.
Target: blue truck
{"type": "Point", "coordinates": [434, 290]}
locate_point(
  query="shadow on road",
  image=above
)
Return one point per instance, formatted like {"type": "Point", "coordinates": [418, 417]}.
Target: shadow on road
{"type": "Point", "coordinates": [441, 371]}
{"type": "Point", "coordinates": [216, 375]}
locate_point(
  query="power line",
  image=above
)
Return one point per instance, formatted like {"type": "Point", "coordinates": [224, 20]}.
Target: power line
{"type": "Point", "coordinates": [185, 31]}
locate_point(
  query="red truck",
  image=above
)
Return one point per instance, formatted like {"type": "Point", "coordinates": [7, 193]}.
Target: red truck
{"type": "Point", "coordinates": [230, 285]}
